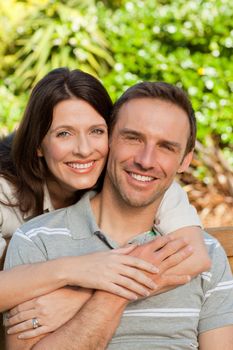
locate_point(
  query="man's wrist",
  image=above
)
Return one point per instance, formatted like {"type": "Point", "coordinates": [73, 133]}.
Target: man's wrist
{"type": "Point", "coordinates": [113, 299]}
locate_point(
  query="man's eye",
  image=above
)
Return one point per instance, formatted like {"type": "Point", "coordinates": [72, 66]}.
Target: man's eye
{"type": "Point", "coordinates": [169, 148]}
{"type": "Point", "coordinates": [132, 138]}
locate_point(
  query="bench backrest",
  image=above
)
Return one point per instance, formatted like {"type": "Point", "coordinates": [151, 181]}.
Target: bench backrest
{"type": "Point", "coordinates": [225, 237]}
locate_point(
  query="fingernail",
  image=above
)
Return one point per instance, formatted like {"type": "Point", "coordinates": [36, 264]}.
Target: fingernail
{"type": "Point", "coordinates": [189, 248]}
{"type": "Point", "coordinates": [155, 269]}
{"type": "Point", "coordinates": [20, 336]}
{"type": "Point", "coordinates": [146, 293]}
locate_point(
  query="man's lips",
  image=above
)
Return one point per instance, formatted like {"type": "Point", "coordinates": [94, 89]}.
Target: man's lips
{"type": "Point", "coordinates": [142, 178]}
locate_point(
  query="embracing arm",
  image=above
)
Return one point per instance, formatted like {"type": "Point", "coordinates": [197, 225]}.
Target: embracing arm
{"type": "Point", "coordinates": [34, 280]}
{"type": "Point", "coordinates": [199, 261]}
{"type": "Point", "coordinates": [94, 325]}
{"type": "Point", "coordinates": [91, 329]}
{"type": "Point", "coordinates": [122, 275]}
{"type": "Point", "coordinates": [219, 338]}
{"type": "Point", "coordinates": [179, 218]}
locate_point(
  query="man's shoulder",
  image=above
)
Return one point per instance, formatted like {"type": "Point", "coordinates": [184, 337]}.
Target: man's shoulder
{"type": "Point", "coordinates": [60, 219]}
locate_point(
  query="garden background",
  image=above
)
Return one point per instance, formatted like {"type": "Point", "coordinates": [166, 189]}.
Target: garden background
{"type": "Point", "coordinates": [184, 42]}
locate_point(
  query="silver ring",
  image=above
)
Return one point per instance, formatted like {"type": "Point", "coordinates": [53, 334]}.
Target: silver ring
{"type": "Point", "coordinates": [35, 323]}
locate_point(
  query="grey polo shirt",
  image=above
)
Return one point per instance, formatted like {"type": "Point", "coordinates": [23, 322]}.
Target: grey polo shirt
{"type": "Point", "coordinates": [171, 320]}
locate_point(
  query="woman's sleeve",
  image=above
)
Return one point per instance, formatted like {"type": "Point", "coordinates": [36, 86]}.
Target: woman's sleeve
{"type": "Point", "coordinates": [175, 211]}
{"type": "Point", "coordinates": [2, 240]}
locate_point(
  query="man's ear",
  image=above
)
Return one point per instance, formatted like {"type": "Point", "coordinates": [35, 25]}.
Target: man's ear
{"type": "Point", "coordinates": [185, 162]}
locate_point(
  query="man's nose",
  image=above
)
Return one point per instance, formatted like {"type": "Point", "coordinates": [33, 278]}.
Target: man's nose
{"type": "Point", "coordinates": [146, 157]}
{"type": "Point", "coordinates": [83, 146]}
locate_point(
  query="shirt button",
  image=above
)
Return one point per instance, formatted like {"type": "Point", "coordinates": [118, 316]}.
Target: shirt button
{"type": "Point", "coordinates": [157, 221]}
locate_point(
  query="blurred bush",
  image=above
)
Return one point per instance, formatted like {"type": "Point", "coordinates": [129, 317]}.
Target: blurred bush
{"type": "Point", "coordinates": [188, 43]}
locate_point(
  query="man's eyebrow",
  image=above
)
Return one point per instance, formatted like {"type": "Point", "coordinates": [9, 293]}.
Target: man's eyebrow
{"type": "Point", "coordinates": [126, 131]}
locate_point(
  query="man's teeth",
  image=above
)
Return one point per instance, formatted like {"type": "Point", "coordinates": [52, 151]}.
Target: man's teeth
{"type": "Point", "coordinates": [142, 177]}
{"type": "Point", "coordinates": [81, 165]}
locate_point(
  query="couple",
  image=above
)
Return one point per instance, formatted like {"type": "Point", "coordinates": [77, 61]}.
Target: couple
{"type": "Point", "coordinates": [148, 146]}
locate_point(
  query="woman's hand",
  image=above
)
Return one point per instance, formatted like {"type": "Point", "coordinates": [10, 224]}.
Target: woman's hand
{"type": "Point", "coordinates": [113, 271]}
{"type": "Point", "coordinates": [51, 311]}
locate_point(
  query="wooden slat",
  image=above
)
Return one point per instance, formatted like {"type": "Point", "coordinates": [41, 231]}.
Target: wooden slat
{"type": "Point", "coordinates": [225, 237]}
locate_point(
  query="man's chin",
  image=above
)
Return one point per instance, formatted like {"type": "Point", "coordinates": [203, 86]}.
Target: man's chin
{"type": "Point", "coordinates": [139, 202]}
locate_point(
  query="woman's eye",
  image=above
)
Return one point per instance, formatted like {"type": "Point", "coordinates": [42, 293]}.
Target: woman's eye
{"type": "Point", "coordinates": [63, 134]}
{"type": "Point", "coordinates": [98, 131]}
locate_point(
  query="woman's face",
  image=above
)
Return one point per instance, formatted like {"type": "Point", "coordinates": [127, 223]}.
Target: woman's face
{"type": "Point", "coordinates": [76, 146]}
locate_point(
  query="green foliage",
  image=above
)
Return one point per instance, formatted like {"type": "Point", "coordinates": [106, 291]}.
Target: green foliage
{"type": "Point", "coordinates": [11, 108]}
{"type": "Point", "coordinates": [54, 34]}
{"type": "Point", "coordinates": [188, 43]}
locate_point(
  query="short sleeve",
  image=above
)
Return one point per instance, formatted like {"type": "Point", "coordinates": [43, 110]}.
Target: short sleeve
{"type": "Point", "coordinates": [217, 307]}
{"type": "Point", "coordinates": [22, 250]}
{"type": "Point", "coordinates": [175, 211]}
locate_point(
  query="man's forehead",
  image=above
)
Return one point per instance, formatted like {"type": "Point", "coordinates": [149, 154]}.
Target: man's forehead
{"type": "Point", "coordinates": [140, 107]}
{"type": "Point", "coordinates": [153, 117]}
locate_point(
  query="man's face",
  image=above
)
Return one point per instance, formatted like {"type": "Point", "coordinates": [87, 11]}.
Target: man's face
{"type": "Point", "coordinates": [147, 149]}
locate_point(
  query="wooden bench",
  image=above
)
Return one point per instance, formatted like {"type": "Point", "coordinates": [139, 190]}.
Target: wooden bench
{"type": "Point", "coordinates": [225, 237]}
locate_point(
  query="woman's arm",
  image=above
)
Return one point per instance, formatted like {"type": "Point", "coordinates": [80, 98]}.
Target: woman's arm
{"type": "Point", "coordinates": [199, 261]}
{"type": "Point", "coordinates": [113, 271]}
{"type": "Point", "coordinates": [179, 218]}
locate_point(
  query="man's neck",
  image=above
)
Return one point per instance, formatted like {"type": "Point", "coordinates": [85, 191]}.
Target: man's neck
{"type": "Point", "coordinates": [120, 221]}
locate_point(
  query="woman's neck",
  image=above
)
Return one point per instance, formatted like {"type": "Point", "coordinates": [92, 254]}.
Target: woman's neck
{"type": "Point", "coordinates": [60, 196]}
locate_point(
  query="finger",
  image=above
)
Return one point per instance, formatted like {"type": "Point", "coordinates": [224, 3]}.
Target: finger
{"type": "Point", "coordinates": [20, 317]}
{"type": "Point", "coordinates": [158, 242]}
{"type": "Point", "coordinates": [171, 248]}
{"type": "Point", "coordinates": [176, 258]}
{"type": "Point", "coordinates": [20, 327]}
{"type": "Point", "coordinates": [22, 307]}
{"type": "Point", "coordinates": [34, 332]}
{"type": "Point", "coordinates": [138, 276]}
{"type": "Point", "coordinates": [131, 285]}
{"type": "Point", "coordinates": [139, 264]}
{"type": "Point", "coordinates": [125, 250]}
{"type": "Point", "coordinates": [122, 292]}
{"type": "Point", "coordinates": [175, 280]}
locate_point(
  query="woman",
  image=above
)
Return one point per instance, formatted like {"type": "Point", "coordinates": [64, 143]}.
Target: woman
{"type": "Point", "coordinates": [58, 151]}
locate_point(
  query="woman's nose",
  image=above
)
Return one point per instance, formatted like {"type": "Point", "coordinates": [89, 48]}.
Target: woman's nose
{"type": "Point", "coordinates": [83, 146]}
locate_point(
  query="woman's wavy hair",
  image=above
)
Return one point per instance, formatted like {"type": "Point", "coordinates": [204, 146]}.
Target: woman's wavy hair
{"type": "Point", "coordinates": [19, 162]}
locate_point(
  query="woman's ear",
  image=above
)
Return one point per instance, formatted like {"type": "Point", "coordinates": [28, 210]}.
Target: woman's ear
{"type": "Point", "coordinates": [40, 152]}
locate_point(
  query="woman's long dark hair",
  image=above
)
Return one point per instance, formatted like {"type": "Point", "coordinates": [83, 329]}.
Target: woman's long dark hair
{"type": "Point", "coordinates": [19, 162]}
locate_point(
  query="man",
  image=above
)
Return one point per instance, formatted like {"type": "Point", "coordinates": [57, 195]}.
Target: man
{"type": "Point", "coordinates": [152, 139]}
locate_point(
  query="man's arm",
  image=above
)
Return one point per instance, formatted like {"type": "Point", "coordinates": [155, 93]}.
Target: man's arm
{"type": "Point", "coordinates": [93, 327]}
{"type": "Point", "coordinates": [219, 338]}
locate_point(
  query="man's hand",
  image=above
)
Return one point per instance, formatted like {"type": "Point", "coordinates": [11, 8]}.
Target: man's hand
{"type": "Point", "coordinates": [165, 253]}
